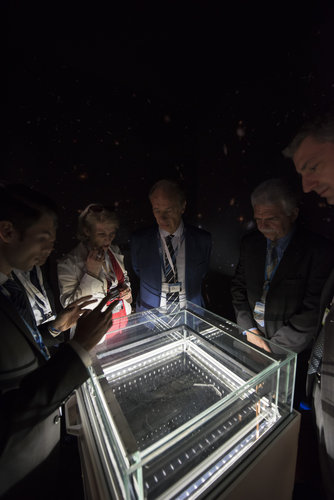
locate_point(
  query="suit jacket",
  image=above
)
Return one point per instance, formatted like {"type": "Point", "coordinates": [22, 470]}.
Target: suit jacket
{"type": "Point", "coordinates": [31, 391]}
{"type": "Point", "coordinates": [327, 368]}
{"type": "Point", "coordinates": [146, 264]}
{"type": "Point", "coordinates": [292, 302]}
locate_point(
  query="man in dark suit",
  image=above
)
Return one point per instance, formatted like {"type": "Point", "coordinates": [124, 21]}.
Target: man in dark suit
{"type": "Point", "coordinates": [171, 258]}
{"type": "Point", "coordinates": [312, 151]}
{"type": "Point", "coordinates": [281, 271]}
{"type": "Point", "coordinates": [33, 386]}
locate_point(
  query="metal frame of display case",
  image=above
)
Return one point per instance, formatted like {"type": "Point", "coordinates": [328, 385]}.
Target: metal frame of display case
{"type": "Point", "coordinates": [229, 397]}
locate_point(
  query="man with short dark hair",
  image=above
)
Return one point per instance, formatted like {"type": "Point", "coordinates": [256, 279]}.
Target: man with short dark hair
{"type": "Point", "coordinates": [33, 386]}
{"type": "Point", "coordinates": [281, 271]}
{"type": "Point", "coordinates": [171, 258]}
{"type": "Point", "coordinates": [312, 151]}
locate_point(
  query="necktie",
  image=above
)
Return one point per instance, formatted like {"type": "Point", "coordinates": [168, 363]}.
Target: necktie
{"type": "Point", "coordinates": [20, 301]}
{"type": "Point", "coordinates": [271, 263]}
{"type": "Point", "coordinates": [172, 299]}
{"type": "Point", "coordinates": [272, 260]}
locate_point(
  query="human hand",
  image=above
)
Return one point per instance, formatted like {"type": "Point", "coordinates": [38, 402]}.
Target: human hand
{"type": "Point", "coordinates": [94, 324]}
{"type": "Point", "coordinates": [256, 338]}
{"type": "Point", "coordinates": [94, 261]}
{"type": "Point", "coordinates": [125, 293]}
{"type": "Point", "coordinates": [70, 315]}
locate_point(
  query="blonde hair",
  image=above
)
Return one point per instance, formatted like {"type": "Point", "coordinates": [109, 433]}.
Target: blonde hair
{"type": "Point", "coordinates": [93, 213]}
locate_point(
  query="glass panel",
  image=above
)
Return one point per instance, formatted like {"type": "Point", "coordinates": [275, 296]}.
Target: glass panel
{"type": "Point", "coordinates": [180, 398]}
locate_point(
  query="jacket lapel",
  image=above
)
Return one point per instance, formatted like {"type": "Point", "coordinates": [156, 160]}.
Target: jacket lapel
{"type": "Point", "coordinates": [259, 261]}
{"type": "Point", "coordinates": [290, 259]}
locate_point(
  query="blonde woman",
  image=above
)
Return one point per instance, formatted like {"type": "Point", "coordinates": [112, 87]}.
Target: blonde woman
{"type": "Point", "coordinates": [95, 266]}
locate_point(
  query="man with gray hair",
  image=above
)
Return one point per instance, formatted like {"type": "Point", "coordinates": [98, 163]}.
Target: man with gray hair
{"type": "Point", "coordinates": [170, 258]}
{"type": "Point", "coordinates": [312, 151]}
{"type": "Point", "coordinates": [281, 271]}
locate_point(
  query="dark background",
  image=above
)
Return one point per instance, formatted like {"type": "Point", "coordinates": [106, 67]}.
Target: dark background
{"type": "Point", "coordinates": [106, 98]}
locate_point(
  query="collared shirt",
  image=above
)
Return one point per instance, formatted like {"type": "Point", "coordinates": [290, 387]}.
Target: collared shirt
{"type": "Point", "coordinates": [180, 255]}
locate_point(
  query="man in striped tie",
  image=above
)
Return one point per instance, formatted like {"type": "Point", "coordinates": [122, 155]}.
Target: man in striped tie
{"type": "Point", "coordinates": [312, 151]}
{"type": "Point", "coordinates": [171, 258]}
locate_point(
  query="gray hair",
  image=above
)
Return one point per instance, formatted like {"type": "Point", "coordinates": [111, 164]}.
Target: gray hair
{"type": "Point", "coordinates": [276, 192]}
{"type": "Point", "coordinates": [95, 212]}
{"type": "Point", "coordinates": [321, 129]}
{"type": "Point", "coordinates": [170, 188]}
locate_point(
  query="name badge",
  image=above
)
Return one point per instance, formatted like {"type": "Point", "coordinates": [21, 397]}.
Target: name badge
{"type": "Point", "coordinates": [171, 287]}
{"type": "Point", "coordinates": [258, 313]}
{"type": "Point", "coordinates": [174, 287]}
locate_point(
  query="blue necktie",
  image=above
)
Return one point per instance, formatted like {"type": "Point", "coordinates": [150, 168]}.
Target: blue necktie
{"type": "Point", "coordinates": [272, 260]}
{"type": "Point", "coordinates": [271, 264]}
{"type": "Point", "coordinates": [172, 299]}
{"type": "Point", "coordinates": [20, 301]}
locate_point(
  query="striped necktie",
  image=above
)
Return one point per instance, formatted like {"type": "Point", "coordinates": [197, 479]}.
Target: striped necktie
{"type": "Point", "coordinates": [172, 299]}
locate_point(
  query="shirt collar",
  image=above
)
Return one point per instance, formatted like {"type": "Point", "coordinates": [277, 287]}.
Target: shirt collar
{"type": "Point", "coordinates": [177, 234]}
{"type": "Point", "coordinates": [283, 242]}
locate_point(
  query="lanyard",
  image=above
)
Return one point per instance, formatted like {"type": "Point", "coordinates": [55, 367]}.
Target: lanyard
{"type": "Point", "coordinates": [33, 291]}
{"type": "Point", "coordinates": [40, 299]}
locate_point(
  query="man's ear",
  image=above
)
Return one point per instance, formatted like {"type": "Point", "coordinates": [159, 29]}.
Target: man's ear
{"type": "Point", "coordinates": [294, 214]}
{"type": "Point", "coordinates": [7, 231]}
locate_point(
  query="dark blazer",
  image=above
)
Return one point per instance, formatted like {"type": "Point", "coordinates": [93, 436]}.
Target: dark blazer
{"type": "Point", "coordinates": [146, 263]}
{"type": "Point", "coordinates": [31, 391]}
{"type": "Point", "coordinates": [292, 303]}
{"type": "Point", "coordinates": [327, 366]}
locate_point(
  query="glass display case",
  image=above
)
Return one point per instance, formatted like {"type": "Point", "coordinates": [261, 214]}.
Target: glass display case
{"type": "Point", "coordinates": [174, 402]}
